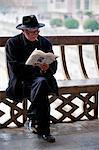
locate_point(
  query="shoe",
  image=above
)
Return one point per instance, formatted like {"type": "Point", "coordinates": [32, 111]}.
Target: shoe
{"type": "Point", "coordinates": [34, 129]}
{"type": "Point", "coordinates": [48, 138]}
{"type": "Point", "coordinates": [27, 125]}
{"type": "Point", "coordinates": [31, 127]}
{"type": "Point", "coordinates": [32, 116]}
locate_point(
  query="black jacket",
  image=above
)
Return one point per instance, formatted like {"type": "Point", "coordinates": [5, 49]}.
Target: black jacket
{"type": "Point", "coordinates": [18, 49]}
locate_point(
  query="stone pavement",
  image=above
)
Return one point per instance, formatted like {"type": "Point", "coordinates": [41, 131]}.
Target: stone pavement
{"type": "Point", "coordinates": [80, 135]}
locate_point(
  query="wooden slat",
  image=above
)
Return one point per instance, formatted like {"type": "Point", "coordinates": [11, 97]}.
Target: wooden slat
{"type": "Point", "coordinates": [97, 55]}
{"type": "Point", "coordinates": [64, 62]}
{"type": "Point", "coordinates": [82, 62]}
{"type": "Point", "coordinates": [73, 40]}
{"type": "Point", "coordinates": [76, 86]}
{"type": "Point", "coordinates": [65, 40]}
{"type": "Point", "coordinates": [83, 82]}
{"type": "Point", "coordinates": [3, 41]}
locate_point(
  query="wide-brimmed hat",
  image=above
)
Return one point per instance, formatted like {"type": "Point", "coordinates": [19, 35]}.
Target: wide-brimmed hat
{"type": "Point", "coordinates": [29, 22]}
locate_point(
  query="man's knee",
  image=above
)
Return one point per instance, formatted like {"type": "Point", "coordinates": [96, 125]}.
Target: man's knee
{"type": "Point", "coordinates": [42, 81]}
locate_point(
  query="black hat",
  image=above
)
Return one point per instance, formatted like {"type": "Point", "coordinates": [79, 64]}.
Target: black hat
{"type": "Point", "coordinates": [29, 22]}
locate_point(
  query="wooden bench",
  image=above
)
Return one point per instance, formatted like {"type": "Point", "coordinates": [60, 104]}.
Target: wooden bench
{"type": "Point", "coordinates": [78, 98]}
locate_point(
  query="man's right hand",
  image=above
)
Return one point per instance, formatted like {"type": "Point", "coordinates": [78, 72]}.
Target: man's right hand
{"type": "Point", "coordinates": [43, 67]}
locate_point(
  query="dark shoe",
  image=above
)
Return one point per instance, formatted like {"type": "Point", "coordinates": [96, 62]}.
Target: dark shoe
{"type": "Point", "coordinates": [48, 138]}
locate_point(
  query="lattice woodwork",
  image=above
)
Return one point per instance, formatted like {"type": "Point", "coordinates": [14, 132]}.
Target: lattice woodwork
{"type": "Point", "coordinates": [13, 114]}
{"type": "Point", "coordinates": [64, 108]}
{"type": "Point", "coordinates": [80, 106]}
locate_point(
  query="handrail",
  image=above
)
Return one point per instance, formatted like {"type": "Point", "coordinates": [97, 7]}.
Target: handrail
{"type": "Point", "coordinates": [65, 40]}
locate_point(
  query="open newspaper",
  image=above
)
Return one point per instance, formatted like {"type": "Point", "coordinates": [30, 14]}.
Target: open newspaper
{"type": "Point", "coordinates": [40, 57]}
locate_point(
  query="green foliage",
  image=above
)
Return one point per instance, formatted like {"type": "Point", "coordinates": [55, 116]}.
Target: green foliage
{"type": "Point", "coordinates": [56, 22]}
{"type": "Point", "coordinates": [71, 23]}
{"type": "Point", "coordinates": [91, 24]}
{"type": "Point", "coordinates": [89, 13]}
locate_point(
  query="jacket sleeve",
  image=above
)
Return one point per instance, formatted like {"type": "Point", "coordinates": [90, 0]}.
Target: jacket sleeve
{"type": "Point", "coordinates": [53, 66]}
{"type": "Point", "coordinates": [19, 69]}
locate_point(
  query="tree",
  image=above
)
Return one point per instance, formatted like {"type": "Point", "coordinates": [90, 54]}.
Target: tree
{"type": "Point", "coordinates": [71, 23]}
{"type": "Point", "coordinates": [56, 22]}
{"type": "Point", "coordinates": [91, 24]}
{"type": "Point", "coordinates": [89, 13]}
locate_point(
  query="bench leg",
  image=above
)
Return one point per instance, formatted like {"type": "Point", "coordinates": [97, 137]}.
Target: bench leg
{"type": "Point", "coordinates": [96, 108]}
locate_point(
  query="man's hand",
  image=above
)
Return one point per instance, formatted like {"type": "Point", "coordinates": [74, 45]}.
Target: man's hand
{"type": "Point", "coordinates": [43, 67]}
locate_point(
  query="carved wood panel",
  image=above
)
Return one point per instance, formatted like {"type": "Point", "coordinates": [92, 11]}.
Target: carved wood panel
{"type": "Point", "coordinates": [64, 108]}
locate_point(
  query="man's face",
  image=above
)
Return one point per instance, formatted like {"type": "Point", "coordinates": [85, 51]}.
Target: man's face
{"type": "Point", "coordinates": [31, 34]}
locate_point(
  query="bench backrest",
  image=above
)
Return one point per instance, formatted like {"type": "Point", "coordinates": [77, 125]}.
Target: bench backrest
{"type": "Point", "coordinates": [78, 41]}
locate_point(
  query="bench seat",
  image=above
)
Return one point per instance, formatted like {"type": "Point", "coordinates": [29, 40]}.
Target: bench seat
{"type": "Point", "coordinates": [74, 86]}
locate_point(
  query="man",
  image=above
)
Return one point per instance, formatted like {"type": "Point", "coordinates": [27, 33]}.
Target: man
{"type": "Point", "coordinates": [32, 82]}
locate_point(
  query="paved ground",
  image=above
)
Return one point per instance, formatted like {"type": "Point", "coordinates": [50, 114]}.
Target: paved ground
{"type": "Point", "coordinates": [83, 135]}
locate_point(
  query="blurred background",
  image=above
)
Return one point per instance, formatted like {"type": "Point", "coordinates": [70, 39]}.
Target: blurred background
{"type": "Point", "coordinates": [60, 16]}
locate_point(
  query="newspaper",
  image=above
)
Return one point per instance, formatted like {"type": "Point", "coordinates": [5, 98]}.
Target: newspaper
{"type": "Point", "coordinates": [40, 57]}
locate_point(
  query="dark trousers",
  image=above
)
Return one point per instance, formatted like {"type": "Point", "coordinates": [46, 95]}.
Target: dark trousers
{"type": "Point", "coordinates": [37, 91]}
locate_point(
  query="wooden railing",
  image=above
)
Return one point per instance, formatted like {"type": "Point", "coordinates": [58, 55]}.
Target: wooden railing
{"type": "Point", "coordinates": [78, 99]}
